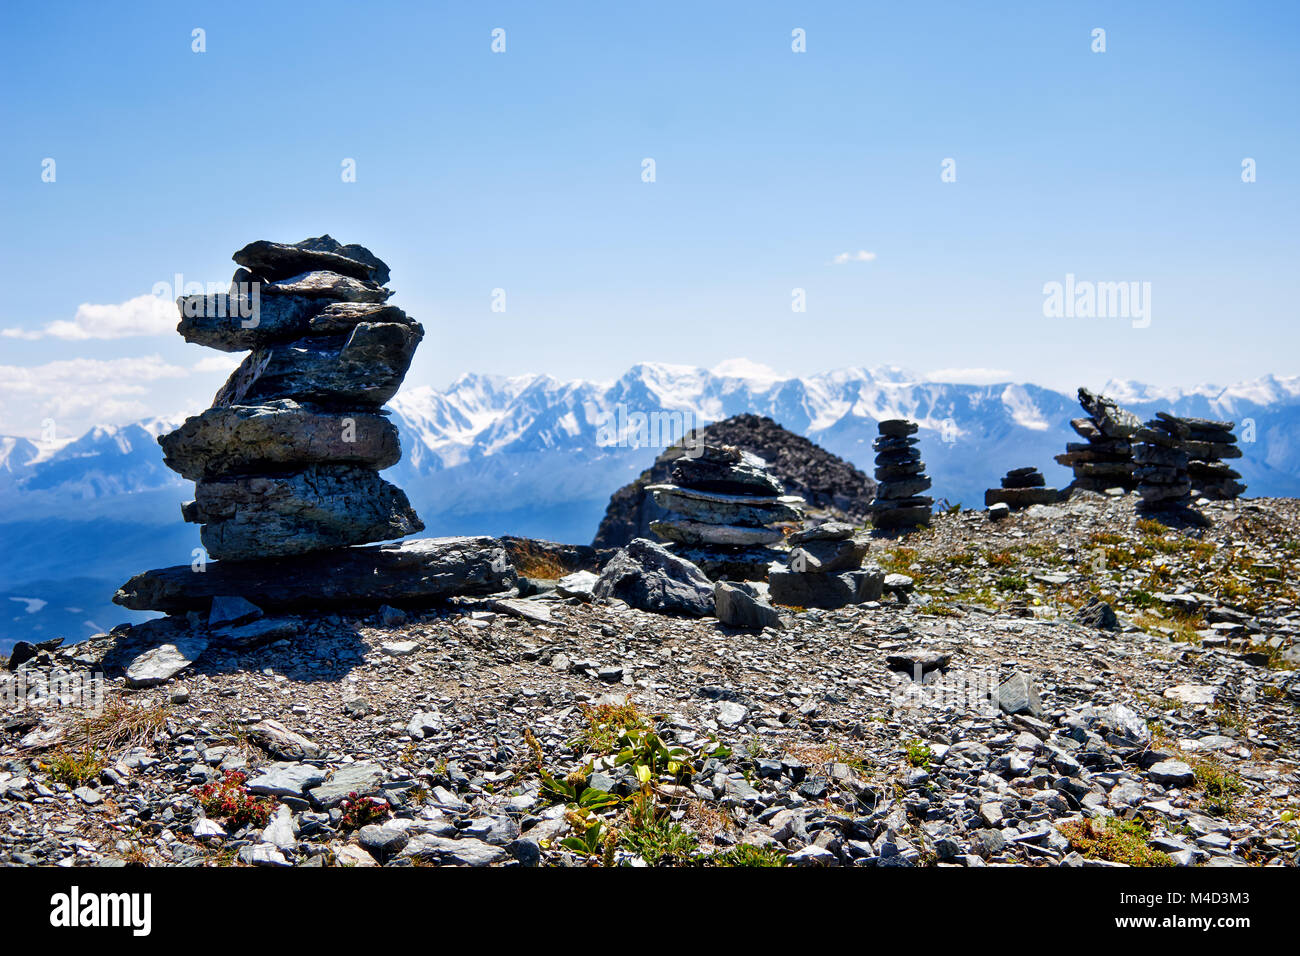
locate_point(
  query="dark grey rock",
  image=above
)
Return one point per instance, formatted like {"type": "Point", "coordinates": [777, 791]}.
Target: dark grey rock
{"type": "Point", "coordinates": [649, 577]}
{"type": "Point", "coordinates": [414, 572]}
{"type": "Point", "coordinates": [320, 507]}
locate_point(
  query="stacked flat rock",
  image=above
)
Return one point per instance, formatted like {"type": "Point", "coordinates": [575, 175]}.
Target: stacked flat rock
{"type": "Point", "coordinates": [1161, 462]}
{"type": "Point", "coordinates": [1207, 444]}
{"type": "Point", "coordinates": [286, 460]}
{"type": "Point", "coordinates": [1105, 458]}
{"type": "Point", "coordinates": [722, 506]}
{"type": "Point", "coordinates": [1021, 488]}
{"type": "Point", "coordinates": [900, 478]}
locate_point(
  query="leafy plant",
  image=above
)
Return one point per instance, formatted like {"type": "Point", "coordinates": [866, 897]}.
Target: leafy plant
{"type": "Point", "coordinates": [361, 811]}
{"type": "Point", "coordinates": [229, 800]}
{"type": "Point", "coordinates": [1118, 841]}
{"type": "Point", "coordinates": [75, 769]}
{"type": "Point", "coordinates": [746, 854]}
{"type": "Point", "coordinates": [918, 753]}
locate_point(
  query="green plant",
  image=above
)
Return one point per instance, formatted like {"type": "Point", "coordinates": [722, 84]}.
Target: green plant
{"type": "Point", "coordinates": [653, 836]}
{"type": "Point", "coordinates": [606, 723]}
{"type": "Point", "coordinates": [746, 854]}
{"type": "Point", "coordinates": [1114, 840]}
{"type": "Point", "coordinates": [1221, 788]}
{"type": "Point", "coordinates": [75, 769]}
{"type": "Point", "coordinates": [918, 753]}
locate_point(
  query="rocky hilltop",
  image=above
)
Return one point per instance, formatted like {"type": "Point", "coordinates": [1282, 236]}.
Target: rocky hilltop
{"type": "Point", "coordinates": [829, 485]}
{"type": "Point", "coordinates": [1073, 684]}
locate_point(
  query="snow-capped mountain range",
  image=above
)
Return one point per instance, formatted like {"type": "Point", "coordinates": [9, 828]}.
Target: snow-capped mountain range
{"type": "Point", "coordinates": [536, 456]}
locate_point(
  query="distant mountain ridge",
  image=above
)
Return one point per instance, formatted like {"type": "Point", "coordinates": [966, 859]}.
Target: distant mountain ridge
{"type": "Point", "coordinates": [534, 455]}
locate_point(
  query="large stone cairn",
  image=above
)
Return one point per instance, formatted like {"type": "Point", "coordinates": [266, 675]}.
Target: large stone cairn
{"type": "Point", "coordinates": [723, 507]}
{"type": "Point", "coordinates": [900, 478]}
{"type": "Point", "coordinates": [1161, 462]}
{"type": "Point", "coordinates": [825, 569]}
{"type": "Point", "coordinates": [286, 460]}
{"type": "Point", "coordinates": [1208, 443]}
{"type": "Point", "coordinates": [1104, 459]}
{"type": "Point", "coordinates": [1021, 488]}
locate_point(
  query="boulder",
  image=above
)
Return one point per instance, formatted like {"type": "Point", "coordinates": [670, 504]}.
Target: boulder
{"type": "Point", "coordinates": [647, 576]}
{"type": "Point", "coordinates": [743, 606]}
{"type": "Point", "coordinates": [278, 260]}
{"type": "Point", "coordinates": [821, 557]}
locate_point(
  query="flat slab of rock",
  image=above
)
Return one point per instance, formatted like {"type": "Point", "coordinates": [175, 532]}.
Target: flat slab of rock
{"type": "Point", "coordinates": [235, 438]}
{"type": "Point", "coordinates": [697, 532]}
{"type": "Point", "coordinates": [827, 531]}
{"type": "Point", "coordinates": [320, 507]}
{"type": "Point", "coordinates": [323, 284]}
{"type": "Point", "coordinates": [362, 368]}
{"type": "Point", "coordinates": [363, 779]}
{"type": "Point", "coordinates": [279, 260]}
{"type": "Point", "coordinates": [160, 664]}
{"type": "Point", "coordinates": [721, 509]}
{"type": "Point", "coordinates": [411, 572]}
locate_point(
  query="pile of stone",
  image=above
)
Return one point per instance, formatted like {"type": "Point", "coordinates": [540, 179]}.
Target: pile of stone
{"type": "Point", "coordinates": [286, 461]}
{"type": "Point", "coordinates": [1207, 444]}
{"type": "Point", "coordinates": [1104, 460]}
{"type": "Point", "coordinates": [724, 509]}
{"type": "Point", "coordinates": [825, 569]}
{"type": "Point", "coordinates": [1021, 488]}
{"type": "Point", "coordinates": [1161, 462]}
{"type": "Point", "coordinates": [900, 478]}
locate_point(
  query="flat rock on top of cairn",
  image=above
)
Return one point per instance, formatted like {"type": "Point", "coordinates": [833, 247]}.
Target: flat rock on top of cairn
{"type": "Point", "coordinates": [722, 506]}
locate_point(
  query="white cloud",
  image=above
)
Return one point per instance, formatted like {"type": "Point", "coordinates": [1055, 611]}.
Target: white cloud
{"type": "Point", "coordinates": [969, 376]}
{"type": "Point", "coordinates": [218, 363]}
{"type": "Point", "coordinates": [143, 315]}
{"type": "Point", "coordinates": [106, 387]}
{"type": "Point", "coordinates": [860, 256]}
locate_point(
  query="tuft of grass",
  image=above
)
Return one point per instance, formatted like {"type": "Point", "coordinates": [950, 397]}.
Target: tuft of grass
{"type": "Point", "coordinates": [918, 753]}
{"type": "Point", "coordinates": [75, 769]}
{"type": "Point", "coordinates": [654, 836]}
{"type": "Point", "coordinates": [1114, 840]}
{"type": "Point", "coordinates": [1222, 787]}
{"type": "Point", "coordinates": [746, 854]}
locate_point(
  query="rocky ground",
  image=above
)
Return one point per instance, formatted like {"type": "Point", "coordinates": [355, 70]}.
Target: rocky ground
{"type": "Point", "coordinates": [1094, 689]}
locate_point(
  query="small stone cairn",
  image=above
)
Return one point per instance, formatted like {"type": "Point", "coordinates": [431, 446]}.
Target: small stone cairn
{"type": "Point", "coordinates": [1021, 488]}
{"type": "Point", "coordinates": [1104, 460]}
{"type": "Point", "coordinates": [825, 569]}
{"type": "Point", "coordinates": [724, 508]}
{"type": "Point", "coordinates": [900, 478]}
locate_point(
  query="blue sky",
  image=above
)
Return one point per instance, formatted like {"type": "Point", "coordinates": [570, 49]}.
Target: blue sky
{"type": "Point", "coordinates": [523, 171]}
